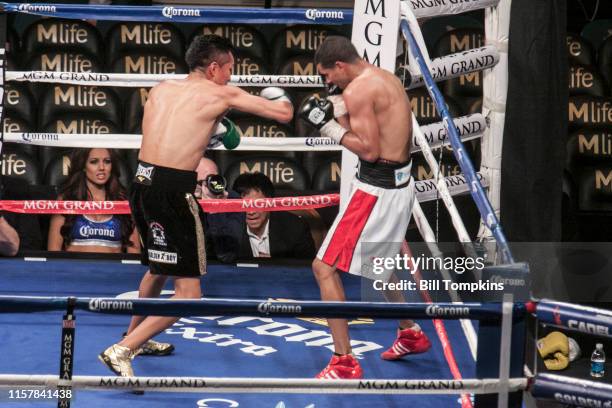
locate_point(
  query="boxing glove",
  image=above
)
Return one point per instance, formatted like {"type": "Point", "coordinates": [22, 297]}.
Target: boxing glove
{"type": "Point", "coordinates": [552, 343]}
{"type": "Point", "coordinates": [558, 361]}
{"type": "Point", "coordinates": [225, 133]}
{"type": "Point", "coordinates": [320, 114]}
{"type": "Point", "coordinates": [334, 95]}
{"type": "Point", "coordinates": [274, 93]}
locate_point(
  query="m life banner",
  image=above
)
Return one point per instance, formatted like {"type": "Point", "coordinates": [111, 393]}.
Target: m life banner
{"type": "Point", "coordinates": [375, 32]}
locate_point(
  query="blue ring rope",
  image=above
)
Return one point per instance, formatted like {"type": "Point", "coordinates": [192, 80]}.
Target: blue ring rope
{"type": "Point", "coordinates": [185, 14]}
{"type": "Point", "coordinates": [575, 317]}
{"type": "Point", "coordinates": [572, 391]}
{"type": "Point", "coordinates": [482, 202]}
{"type": "Point", "coordinates": [245, 307]}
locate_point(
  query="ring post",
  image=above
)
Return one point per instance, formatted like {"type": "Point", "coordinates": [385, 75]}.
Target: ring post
{"type": "Point", "coordinates": [66, 355]}
{"type": "Point", "coordinates": [3, 31]}
{"type": "Point", "coordinates": [488, 363]}
{"type": "Point", "coordinates": [480, 198]}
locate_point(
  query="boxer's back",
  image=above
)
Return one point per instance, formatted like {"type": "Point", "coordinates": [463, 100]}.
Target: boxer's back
{"type": "Point", "coordinates": [392, 111]}
{"type": "Point", "coordinates": [178, 118]}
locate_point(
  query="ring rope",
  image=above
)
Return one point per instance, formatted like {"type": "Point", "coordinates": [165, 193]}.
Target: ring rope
{"type": "Point", "coordinates": [469, 127]}
{"type": "Point", "coordinates": [184, 14]}
{"type": "Point", "coordinates": [441, 185]}
{"type": "Point", "coordinates": [423, 9]}
{"type": "Point", "coordinates": [257, 307]}
{"type": "Point", "coordinates": [443, 68]}
{"type": "Point", "coordinates": [230, 15]}
{"type": "Point", "coordinates": [426, 191]}
{"type": "Point", "coordinates": [572, 391]}
{"type": "Point", "coordinates": [584, 319]}
{"type": "Point", "coordinates": [430, 241]}
{"type": "Point", "coordinates": [150, 80]}
{"type": "Point", "coordinates": [267, 385]}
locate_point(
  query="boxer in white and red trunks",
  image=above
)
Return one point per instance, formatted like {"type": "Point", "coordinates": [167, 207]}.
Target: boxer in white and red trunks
{"type": "Point", "coordinates": [371, 117]}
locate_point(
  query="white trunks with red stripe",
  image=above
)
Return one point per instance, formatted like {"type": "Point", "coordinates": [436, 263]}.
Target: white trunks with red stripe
{"type": "Point", "coordinates": [374, 215]}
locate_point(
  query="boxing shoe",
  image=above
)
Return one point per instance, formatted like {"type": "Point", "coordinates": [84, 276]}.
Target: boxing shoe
{"type": "Point", "coordinates": [408, 341]}
{"type": "Point", "coordinates": [118, 359]}
{"type": "Point", "coordinates": [153, 348]}
{"type": "Point", "coordinates": [344, 367]}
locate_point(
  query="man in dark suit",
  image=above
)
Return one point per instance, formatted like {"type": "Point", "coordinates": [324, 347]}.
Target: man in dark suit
{"type": "Point", "coordinates": [270, 234]}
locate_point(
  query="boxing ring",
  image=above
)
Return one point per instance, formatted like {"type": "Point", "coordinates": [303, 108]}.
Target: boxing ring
{"type": "Point", "coordinates": [226, 337]}
{"type": "Point", "coordinates": [228, 346]}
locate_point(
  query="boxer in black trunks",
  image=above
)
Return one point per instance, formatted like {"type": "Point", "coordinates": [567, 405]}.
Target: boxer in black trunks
{"type": "Point", "coordinates": [181, 118]}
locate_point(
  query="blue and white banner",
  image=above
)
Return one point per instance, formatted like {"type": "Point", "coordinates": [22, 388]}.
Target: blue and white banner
{"type": "Point", "coordinates": [184, 14]}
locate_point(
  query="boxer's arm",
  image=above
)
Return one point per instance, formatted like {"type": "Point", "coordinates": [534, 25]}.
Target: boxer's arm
{"type": "Point", "coordinates": [55, 240]}
{"type": "Point", "coordinates": [344, 121]}
{"type": "Point", "coordinates": [9, 238]}
{"type": "Point", "coordinates": [280, 111]}
{"type": "Point", "coordinates": [134, 247]}
{"type": "Point", "coordinates": [363, 137]}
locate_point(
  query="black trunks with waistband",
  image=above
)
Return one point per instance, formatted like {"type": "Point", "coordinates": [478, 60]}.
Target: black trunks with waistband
{"type": "Point", "coordinates": [165, 178]}
{"type": "Point", "coordinates": [385, 173]}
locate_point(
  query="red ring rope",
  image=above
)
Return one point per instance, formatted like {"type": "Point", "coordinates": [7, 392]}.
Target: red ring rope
{"type": "Point", "coordinates": [209, 206]}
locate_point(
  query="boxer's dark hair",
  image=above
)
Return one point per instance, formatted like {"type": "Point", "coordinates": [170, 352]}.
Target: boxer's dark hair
{"type": "Point", "coordinates": [247, 182]}
{"type": "Point", "coordinates": [208, 48]}
{"type": "Point", "coordinates": [336, 48]}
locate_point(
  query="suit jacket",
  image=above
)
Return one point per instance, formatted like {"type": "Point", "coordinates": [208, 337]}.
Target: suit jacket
{"type": "Point", "coordinates": [289, 238]}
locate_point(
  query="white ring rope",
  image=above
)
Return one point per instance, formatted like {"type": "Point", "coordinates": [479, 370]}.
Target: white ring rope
{"type": "Point", "coordinates": [454, 65]}
{"type": "Point", "coordinates": [447, 67]}
{"type": "Point", "coordinates": [469, 127]}
{"type": "Point", "coordinates": [150, 80]}
{"type": "Point", "coordinates": [268, 385]}
{"type": "Point", "coordinates": [430, 240]}
{"type": "Point", "coordinates": [444, 193]}
{"type": "Point", "coordinates": [423, 9]}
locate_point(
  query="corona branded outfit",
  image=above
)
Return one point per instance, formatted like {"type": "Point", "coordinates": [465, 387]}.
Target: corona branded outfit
{"type": "Point", "coordinates": [377, 213]}
{"type": "Point", "coordinates": [86, 231]}
{"type": "Point", "coordinates": [168, 218]}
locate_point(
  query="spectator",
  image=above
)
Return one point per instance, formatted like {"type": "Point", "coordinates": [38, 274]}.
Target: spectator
{"type": "Point", "coordinates": [271, 234]}
{"type": "Point", "coordinates": [210, 183]}
{"type": "Point", "coordinates": [18, 232]}
{"type": "Point", "coordinates": [93, 176]}
{"type": "Point", "coordinates": [223, 230]}
{"type": "Point", "coordinates": [9, 238]}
